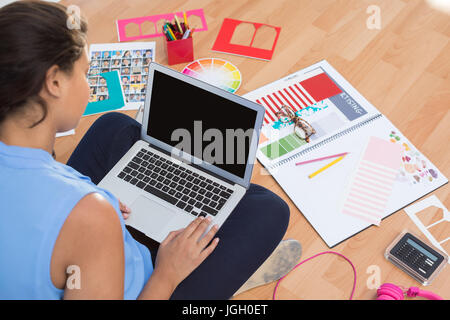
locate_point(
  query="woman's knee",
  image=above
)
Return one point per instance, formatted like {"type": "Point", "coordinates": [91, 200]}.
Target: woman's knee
{"type": "Point", "coordinates": [111, 124]}
{"type": "Point", "coordinates": [274, 211]}
{"type": "Point", "coordinates": [278, 210]}
{"type": "Point", "coordinates": [114, 120]}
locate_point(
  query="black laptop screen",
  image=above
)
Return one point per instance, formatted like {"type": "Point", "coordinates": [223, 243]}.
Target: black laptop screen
{"type": "Point", "coordinates": [201, 123]}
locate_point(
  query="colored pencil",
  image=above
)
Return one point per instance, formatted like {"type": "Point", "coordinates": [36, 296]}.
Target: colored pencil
{"type": "Point", "coordinates": [185, 20]}
{"type": "Point", "coordinates": [312, 175]}
{"type": "Point", "coordinates": [323, 158]}
{"type": "Point", "coordinates": [169, 30]}
{"type": "Point", "coordinates": [178, 24]}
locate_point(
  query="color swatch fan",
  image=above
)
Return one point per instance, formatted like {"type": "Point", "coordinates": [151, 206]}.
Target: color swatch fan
{"type": "Point", "coordinates": [217, 72]}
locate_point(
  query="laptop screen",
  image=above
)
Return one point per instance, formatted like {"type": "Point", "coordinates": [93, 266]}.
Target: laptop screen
{"type": "Point", "coordinates": [200, 123]}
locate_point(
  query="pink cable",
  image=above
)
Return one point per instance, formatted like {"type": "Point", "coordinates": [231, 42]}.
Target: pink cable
{"type": "Point", "coordinates": [414, 292]}
{"type": "Point", "coordinates": [319, 254]}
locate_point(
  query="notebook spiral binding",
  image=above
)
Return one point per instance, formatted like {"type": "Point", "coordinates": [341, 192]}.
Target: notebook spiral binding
{"type": "Point", "coordinates": [327, 140]}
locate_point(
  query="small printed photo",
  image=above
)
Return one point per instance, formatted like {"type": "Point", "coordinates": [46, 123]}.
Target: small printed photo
{"type": "Point", "coordinates": [102, 98]}
{"type": "Point", "coordinates": [125, 62]}
{"type": "Point", "coordinates": [143, 88]}
{"type": "Point", "coordinates": [136, 62]}
{"type": "Point", "coordinates": [132, 98]}
{"type": "Point", "coordinates": [96, 55]}
{"type": "Point", "coordinates": [126, 89]}
{"type": "Point", "coordinates": [93, 81]}
{"type": "Point", "coordinates": [143, 97]}
{"type": "Point", "coordinates": [145, 70]}
{"type": "Point", "coordinates": [106, 55]}
{"type": "Point", "coordinates": [115, 69]}
{"type": "Point", "coordinates": [136, 79]}
{"type": "Point", "coordinates": [125, 80]}
{"type": "Point", "coordinates": [105, 70]}
{"type": "Point", "coordinates": [147, 61]}
{"type": "Point", "coordinates": [126, 54]}
{"type": "Point", "coordinates": [102, 81]}
{"type": "Point", "coordinates": [134, 88]}
{"type": "Point", "coordinates": [101, 91]}
{"type": "Point", "coordinates": [94, 72]}
{"type": "Point", "coordinates": [136, 70]}
{"type": "Point", "coordinates": [93, 90]}
{"type": "Point", "coordinates": [148, 53]}
{"type": "Point", "coordinates": [137, 53]}
{"type": "Point", "coordinates": [106, 63]}
{"type": "Point", "coordinates": [116, 63]}
{"type": "Point", "coordinates": [125, 70]}
{"type": "Point", "coordinates": [93, 98]}
{"type": "Point", "coordinates": [95, 63]}
{"type": "Point", "coordinates": [144, 79]}
{"type": "Point", "coordinates": [117, 54]}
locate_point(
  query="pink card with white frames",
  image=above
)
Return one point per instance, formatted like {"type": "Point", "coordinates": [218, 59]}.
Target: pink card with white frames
{"type": "Point", "coordinates": [123, 24]}
{"type": "Point", "coordinates": [373, 180]}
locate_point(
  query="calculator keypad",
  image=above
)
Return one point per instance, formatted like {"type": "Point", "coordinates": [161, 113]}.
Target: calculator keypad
{"type": "Point", "coordinates": [414, 258]}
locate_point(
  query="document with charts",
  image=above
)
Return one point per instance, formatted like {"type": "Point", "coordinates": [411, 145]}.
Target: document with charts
{"type": "Point", "coordinates": [344, 121]}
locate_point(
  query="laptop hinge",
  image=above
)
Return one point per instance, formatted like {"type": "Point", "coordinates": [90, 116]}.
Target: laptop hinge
{"type": "Point", "coordinates": [196, 166]}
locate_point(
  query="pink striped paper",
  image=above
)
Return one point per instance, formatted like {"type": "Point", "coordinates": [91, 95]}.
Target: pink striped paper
{"type": "Point", "coordinates": [373, 180]}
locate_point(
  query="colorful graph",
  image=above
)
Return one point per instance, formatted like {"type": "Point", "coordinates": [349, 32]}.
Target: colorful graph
{"type": "Point", "coordinates": [298, 95]}
{"type": "Point", "coordinates": [218, 72]}
{"type": "Point", "coordinates": [283, 146]}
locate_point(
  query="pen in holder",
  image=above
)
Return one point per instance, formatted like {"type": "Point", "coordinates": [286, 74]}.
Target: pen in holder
{"type": "Point", "coordinates": [179, 44]}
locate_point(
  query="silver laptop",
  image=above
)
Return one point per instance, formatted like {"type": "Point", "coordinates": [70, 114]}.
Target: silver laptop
{"type": "Point", "coordinates": [195, 157]}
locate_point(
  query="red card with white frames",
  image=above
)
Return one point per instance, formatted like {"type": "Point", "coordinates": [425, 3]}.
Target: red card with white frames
{"type": "Point", "coordinates": [224, 43]}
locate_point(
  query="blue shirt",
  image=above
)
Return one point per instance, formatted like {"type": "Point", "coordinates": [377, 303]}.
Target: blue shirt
{"type": "Point", "coordinates": [37, 194]}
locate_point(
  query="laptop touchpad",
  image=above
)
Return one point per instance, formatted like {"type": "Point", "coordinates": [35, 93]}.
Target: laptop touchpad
{"type": "Point", "coordinates": [148, 216]}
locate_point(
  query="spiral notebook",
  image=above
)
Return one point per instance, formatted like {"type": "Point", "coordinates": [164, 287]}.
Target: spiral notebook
{"type": "Point", "coordinates": [344, 121]}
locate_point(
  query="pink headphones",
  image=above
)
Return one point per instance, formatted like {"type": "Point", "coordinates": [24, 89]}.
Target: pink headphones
{"type": "Point", "coordinates": [386, 291]}
{"type": "Point", "coordinates": [389, 291]}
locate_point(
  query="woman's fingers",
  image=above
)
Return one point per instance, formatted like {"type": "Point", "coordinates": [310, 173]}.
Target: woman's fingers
{"type": "Point", "coordinates": [172, 235]}
{"type": "Point", "coordinates": [124, 209]}
{"type": "Point", "coordinates": [201, 228]}
{"type": "Point", "coordinates": [192, 227]}
{"type": "Point", "coordinates": [208, 236]}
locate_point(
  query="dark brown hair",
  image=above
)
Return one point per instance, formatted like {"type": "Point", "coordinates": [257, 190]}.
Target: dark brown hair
{"type": "Point", "coordinates": [34, 36]}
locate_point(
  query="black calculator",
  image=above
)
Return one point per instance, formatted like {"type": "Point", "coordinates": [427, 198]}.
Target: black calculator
{"type": "Point", "coordinates": [416, 258]}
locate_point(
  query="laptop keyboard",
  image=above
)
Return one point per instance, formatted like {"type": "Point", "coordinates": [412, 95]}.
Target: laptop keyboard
{"type": "Point", "coordinates": [177, 185]}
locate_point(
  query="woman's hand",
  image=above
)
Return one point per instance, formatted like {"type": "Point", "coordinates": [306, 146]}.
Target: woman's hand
{"type": "Point", "coordinates": [183, 251]}
{"type": "Point", "coordinates": [124, 209]}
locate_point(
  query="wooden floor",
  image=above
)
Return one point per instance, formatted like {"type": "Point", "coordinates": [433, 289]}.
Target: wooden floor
{"type": "Point", "coordinates": [403, 69]}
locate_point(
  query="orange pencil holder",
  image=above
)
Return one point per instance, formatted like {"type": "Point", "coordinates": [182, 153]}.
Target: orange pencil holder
{"type": "Point", "coordinates": [179, 51]}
